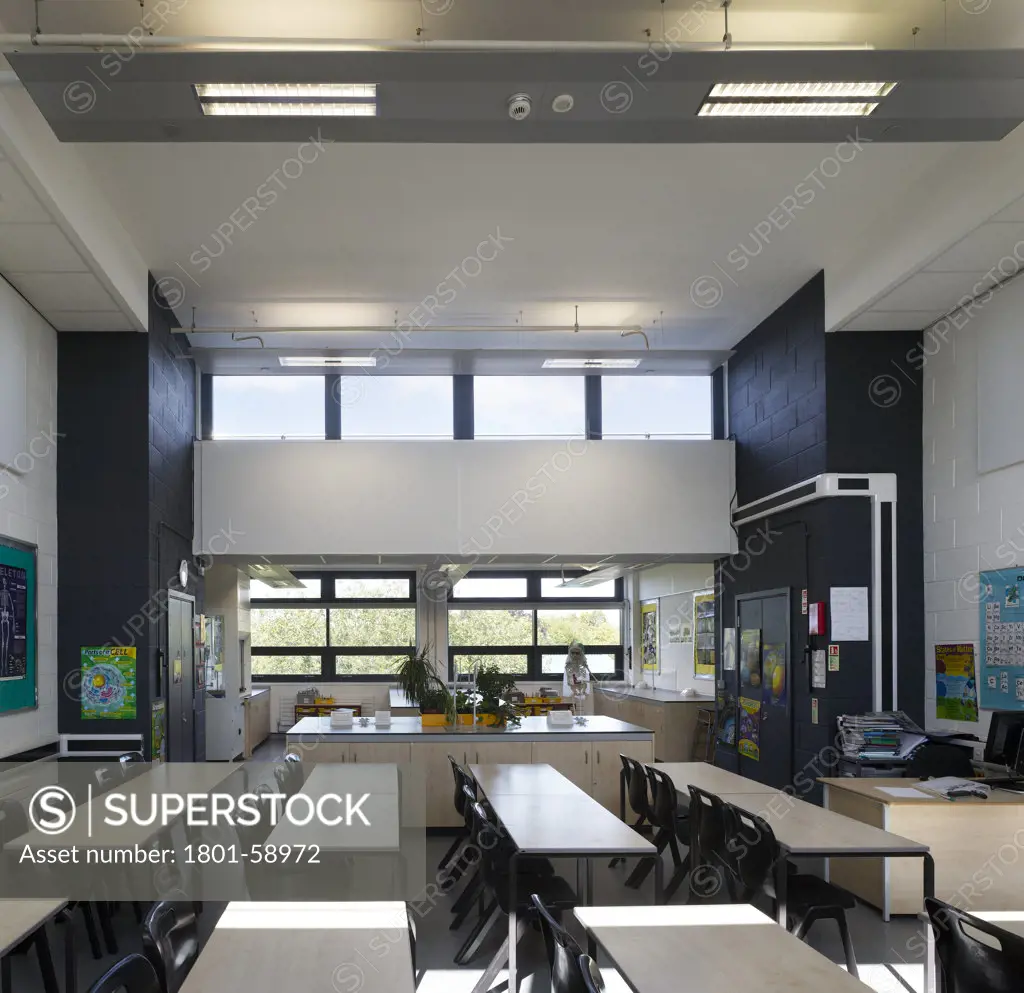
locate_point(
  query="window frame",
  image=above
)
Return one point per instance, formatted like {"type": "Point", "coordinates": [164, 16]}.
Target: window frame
{"type": "Point", "coordinates": [329, 654]}
{"type": "Point", "coordinates": [534, 602]}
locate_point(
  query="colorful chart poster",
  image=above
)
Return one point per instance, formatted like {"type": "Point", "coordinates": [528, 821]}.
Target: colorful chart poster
{"type": "Point", "coordinates": [750, 657]}
{"type": "Point", "coordinates": [750, 728]}
{"type": "Point", "coordinates": [704, 635]}
{"type": "Point", "coordinates": [726, 718]}
{"type": "Point", "coordinates": [1001, 676]}
{"type": "Point", "coordinates": [108, 684]}
{"type": "Point", "coordinates": [956, 692]}
{"type": "Point", "coordinates": [17, 629]}
{"type": "Point", "coordinates": [773, 658]}
{"type": "Point", "coordinates": [649, 637]}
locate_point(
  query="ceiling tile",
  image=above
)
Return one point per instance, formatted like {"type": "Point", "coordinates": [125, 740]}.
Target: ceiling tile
{"type": "Point", "coordinates": [74, 291]}
{"type": "Point", "coordinates": [17, 201]}
{"type": "Point", "coordinates": [37, 248]}
{"type": "Point", "coordinates": [86, 320]}
{"type": "Point", "coordinates": [893, 320]}
{"type": "Point", "coordinates": [983, 249]}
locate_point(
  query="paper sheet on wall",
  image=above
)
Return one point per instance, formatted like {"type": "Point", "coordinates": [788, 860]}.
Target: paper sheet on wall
{"type": "Point", "coordinates": [849, 613]}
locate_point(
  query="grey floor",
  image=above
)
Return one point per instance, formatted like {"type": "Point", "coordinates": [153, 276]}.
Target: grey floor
{"type": "Point", "coordinates": [886, 953]}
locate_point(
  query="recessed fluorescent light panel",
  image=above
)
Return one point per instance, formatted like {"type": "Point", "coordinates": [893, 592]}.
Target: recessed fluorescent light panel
{"type": "Point", "coordinates": [287, 99]}
{"type": "Point", "coordinates": [323, 361]}
{"type": "Point", "coordinates": [591, 363]}
{"type": "Point", "coordinates": [779, 99]}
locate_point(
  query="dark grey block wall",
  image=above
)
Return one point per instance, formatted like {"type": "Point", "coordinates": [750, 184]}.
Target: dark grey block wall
{"type": "Point", "coordinates": [776, 396]}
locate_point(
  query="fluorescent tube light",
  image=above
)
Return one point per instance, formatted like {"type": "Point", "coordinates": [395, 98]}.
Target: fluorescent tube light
{"type": "Point", "coordinates": [286, 91]}
{"type": "Point", "coordinates": [289, 109]}
{"type": "Point", "coordinates": [591, 363]}
{"type": "Point", "coordinates": [787, 109]}
{"type": "Point", "coordinates": [309, 361]}
{"type": "Point", "coordinates": [802, 91]}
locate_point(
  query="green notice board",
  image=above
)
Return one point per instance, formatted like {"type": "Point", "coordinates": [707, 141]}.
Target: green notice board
{"type": "Point", "coordinates": [18, 663]}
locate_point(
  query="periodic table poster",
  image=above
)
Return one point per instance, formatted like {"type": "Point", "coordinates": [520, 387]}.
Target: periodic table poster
{"type": "Point", "coordinates": [1001, 680]}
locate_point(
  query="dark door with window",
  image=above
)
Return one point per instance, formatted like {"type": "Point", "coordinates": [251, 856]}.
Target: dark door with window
{"type": "Point", "coordinates": [769, 684]}
{"type": "Point", "coordinates": [181, 681]}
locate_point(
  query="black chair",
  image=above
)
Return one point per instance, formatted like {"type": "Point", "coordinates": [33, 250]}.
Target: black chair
{"type": "Point", "coordinates": [967, 964]}
{"type": "Point", "coordinates": [709, 855]}
{"type": "Point", "coordinates": [496, 872]}
{"type": "Point", "coordinates": [289, 775]}
{"type": "Point", "coordinates": [635, 775]}
{"type": "Point", "coordinates": [753, 855]}
{"type": "Point", "coordinates": [670, 827]}
{"type": "Point", "coordinates": [133, 974]}
{"type": "Point", "coordinates": [934, 760]}
{"type": "Point", "coordinates": [592, 978]}
{"type": "Point", "coordinates": [461, 780]}
{"type": "Point", "coordinates": [132, 764]}
{"type": "Point", "coordinates": [563, 952]}
{"type": "Point", "coordinates": [170, 940]}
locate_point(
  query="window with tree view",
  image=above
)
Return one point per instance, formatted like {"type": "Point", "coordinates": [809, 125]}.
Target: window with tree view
{"type": "Point", "coordinates": [525, 623]}
{"type": "Point", "coordinates": [353, 626]}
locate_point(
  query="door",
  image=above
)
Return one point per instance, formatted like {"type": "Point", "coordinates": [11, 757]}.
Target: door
{"type": "Point", "coordinates": [769, 682]}
{"type": "Point", "coordinates": [180, 679]}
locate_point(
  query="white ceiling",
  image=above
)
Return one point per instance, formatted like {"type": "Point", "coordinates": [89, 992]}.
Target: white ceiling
{"type": "Point", "coordinates": [622, 231]}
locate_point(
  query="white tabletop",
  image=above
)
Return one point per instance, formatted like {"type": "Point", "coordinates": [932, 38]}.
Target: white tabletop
{"type": "Point", "coordinates": [270, 947]}
{"type": "Point", "coordinates": [513, 780]}
{"type": "Point", "coordinates": [710, 949]}
{"type": "Point", "coordinates": [807, 829]}
{"type": "Point", "coordinates": [1008, 920]}
{"type": "Point", "coordinates": [709, 778]}
{"type": "Point", "coordinates": [381, 809]}
{"type": "Point", "coordinates": [19, 918]}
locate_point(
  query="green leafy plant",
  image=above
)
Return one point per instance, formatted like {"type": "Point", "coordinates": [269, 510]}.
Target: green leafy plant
{"type": "Point", "coordinates": [494, 686]}
{"type": "Point", "coordinates": [418, 679]}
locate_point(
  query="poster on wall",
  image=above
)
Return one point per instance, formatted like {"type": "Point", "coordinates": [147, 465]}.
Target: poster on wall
{"type": "Point", "coordinates": [1001, 666]}
{"type": "Point", "coordinates": [108, 684]}
{"type": "Point", "coordinates": [750, 657]}
{"type": "Point", "coordinates": [730, 649]}
{"type": "Point", "coordinates": [159, 722]}
{"type": "Point", "coordinates": [649, 637]}
{"type": "Point", "coordinates": [750, 728]}
{"type": "Point", "coordinates": [17, 628]}
{"type": "Point", "coordinates": [773, 659]}
{"type": "Point", "coordinates": [704, 635]}
{"type": "Point", "coordinates": [726, 718]}
{"type": "Point", "coordinates": [956, 694]}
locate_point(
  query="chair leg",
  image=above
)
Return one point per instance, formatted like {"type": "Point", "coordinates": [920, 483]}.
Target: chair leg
{"type": "Point", "coordinates": [42, 942]}
{"type": "Point", "coordinates": [450, 854]}
{"type": "Point", "coordinates": [70, 959]}
{"type": "Point", "coordinates": [103, 910]}
{"type": "Point", "coordinates": [468, 894]}
{"type": "Point", "coordinates": [472, 944]}
{"type": "Point", "coordinates": [636, 827]}
{"type": "Point", "coordinates": [639, 874]}
{"type": "Point", "coordinates": [486, 981]}
{"type": "Point", "coordinates": [467, 908]}
{"type": "Point", "coordinates": [844, 933]}
{"type": "Point", "coordinates": [803, 925]}
{"type": "Point", "coordinates": [90, 930]}
{"type": "Point", "coordinates": [677, 879]}
{"type": "Point", "coordinates": [673, 845]}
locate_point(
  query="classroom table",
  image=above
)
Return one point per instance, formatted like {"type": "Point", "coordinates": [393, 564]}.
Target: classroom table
{"type": "Point", "coordinates": [717, 948]}
{"type": "Point", "coordinates": [709, 778]}
{"type": "Point", "coordinates": [512, 780]}
{"type": "Point", "coordinates": [270, 947]}
{"type": "Point", "coordinates": [18, 920]}
{"type": "Point", "coordinates": [1008, 920]}
{"type": "Point", "coordinates": [556, 823]}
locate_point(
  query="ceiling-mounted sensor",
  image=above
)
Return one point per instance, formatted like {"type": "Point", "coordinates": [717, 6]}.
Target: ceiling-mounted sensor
{"type": "Point", "coordinates": [563, 103]}
{"type": "Point", "coordinates": [519, 106]}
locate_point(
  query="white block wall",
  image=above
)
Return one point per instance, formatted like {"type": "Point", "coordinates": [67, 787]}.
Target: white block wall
{"type": "Point", "coordinates": [972, 521]}
{"type": "Point", "coordinates": [28, 500]}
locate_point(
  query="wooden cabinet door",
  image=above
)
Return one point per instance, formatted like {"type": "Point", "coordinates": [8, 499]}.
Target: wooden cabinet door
{"type": "Point", "coordinates": [607, 766]}
{"type": "Point", "coordinates": [430, 763]}
{"type": "Point", "coordinates": [319, 751]}
{"type": "Point", "coordinates": [573, 759]}
{"type": "Point", "coordinates": [499, 752]}
{"type": "Point", "coordinates": [377, 752]}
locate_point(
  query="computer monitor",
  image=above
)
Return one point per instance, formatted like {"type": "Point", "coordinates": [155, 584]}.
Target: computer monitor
{"type": "Point", "coordinates": [1005, 738]}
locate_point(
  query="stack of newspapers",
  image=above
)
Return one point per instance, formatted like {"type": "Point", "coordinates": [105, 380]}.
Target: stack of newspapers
{"type": "Point", "coordinates": [881, 735]}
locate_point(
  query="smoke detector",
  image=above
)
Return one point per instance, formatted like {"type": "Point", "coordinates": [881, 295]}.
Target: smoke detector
{"type": "Point", "coordinates": [519, 106]}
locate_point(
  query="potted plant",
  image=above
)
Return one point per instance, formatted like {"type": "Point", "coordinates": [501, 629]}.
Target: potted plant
{"type": "Point", "coordinates": [418, 679]}
{"type": "Point", "coordinates": [493, 686]}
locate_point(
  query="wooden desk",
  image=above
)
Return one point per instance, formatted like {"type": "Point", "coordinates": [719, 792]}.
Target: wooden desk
{"type": "Point", "coordinates": [270, 947]}
{"type": "Point", "coordinates": [561, 823]}
{"type": "Point", "coordinates": [718, 949]}
{"type": "Point", "coordinates": [709, 778]}
{"type": "Point", "coordinates": [965, 837]}
{"type": "Point", "coordinates": [19, 919]}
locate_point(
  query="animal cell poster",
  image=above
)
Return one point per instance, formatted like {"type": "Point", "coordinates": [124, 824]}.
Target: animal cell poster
{"type": "Point", "coordinates": [773, 661]}
{"type": "Point", "coordinates": [649, 637]}
{"type": "Point", "coordinates": [108, 684]}
{"type": "Point", "coordinates": [750, 728]}
{"type": "Point", "coordinates": [17, 628]}
{"type": "Point", "coordinates": [956, 695]}
{"type": "Point", "coordinates": [1001, 673]}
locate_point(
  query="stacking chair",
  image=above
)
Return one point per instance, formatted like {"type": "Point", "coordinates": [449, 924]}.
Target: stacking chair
{"type": "Point", "coordinates": [966, 963]}
{"type": "Point", "coordinates": [563, 952]}
{"type": "Point", "coordinates": [495, 869]}
{"type": "Point", "coordinates": [133, 974]}
{"type": "Point", "coordinates": [670, 827]}
{"type": "Point", "coordinates": [709, 856]}
{"type": "Point", "coordinates": [449, 857]}
{"type": "Point", "coordinates": [592, 978]}
{"type": "Point", "coordinates": [289, 775]}
{"type": "Point", "coordinates": [170, 940]}
{"type": "Point", "coordinates": [753, 853]}
{"type": "Point", "coordinates": [635, 774]}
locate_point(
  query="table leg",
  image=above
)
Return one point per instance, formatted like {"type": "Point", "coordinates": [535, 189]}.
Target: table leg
{"type": "Point", "coordinates": [930, 965]}
{"type": "Point", "coordinates": [622, 794]}
{"type": "Point", "coordinates": [6, 986]}
{"type": "Point", "coordinates": [513, 984]}
{"type": "Point", "coordinates": [589, 868]}
{"type": "Point", "coordinates": [781, 883]}
{"type": "Point", "coordinates": [70, 965]}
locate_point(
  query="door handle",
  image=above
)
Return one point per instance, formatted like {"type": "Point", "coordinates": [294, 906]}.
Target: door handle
{"type": "Point", "coordinates": [586, 758]}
